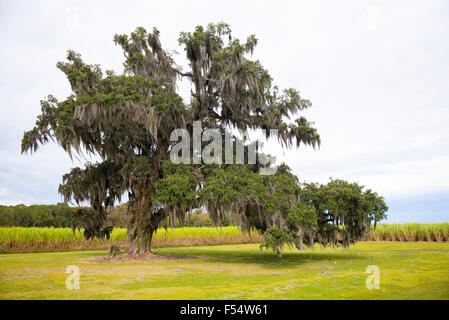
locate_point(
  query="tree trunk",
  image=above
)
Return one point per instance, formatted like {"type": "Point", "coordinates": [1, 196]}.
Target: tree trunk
{"type": "Point", "coordinates": [145, 216]}
{"type": "Point", "coordinates": [140, 230]}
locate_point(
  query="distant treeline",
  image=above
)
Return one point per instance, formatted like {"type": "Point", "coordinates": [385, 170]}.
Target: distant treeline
{"type": "Point", "coordinates": [59, 216]}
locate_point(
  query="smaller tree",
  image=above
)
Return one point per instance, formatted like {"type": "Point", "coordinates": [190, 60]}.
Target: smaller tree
{"type": "Point", "coordinates": [337, 214]}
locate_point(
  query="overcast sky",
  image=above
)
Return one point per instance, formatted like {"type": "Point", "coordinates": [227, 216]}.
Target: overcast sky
{"type": "Point", "coordinates": [377, 73]}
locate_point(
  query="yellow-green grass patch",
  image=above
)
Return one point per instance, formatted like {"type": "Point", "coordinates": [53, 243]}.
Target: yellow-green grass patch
{"type": "Point", "coordinates": [408, 270]}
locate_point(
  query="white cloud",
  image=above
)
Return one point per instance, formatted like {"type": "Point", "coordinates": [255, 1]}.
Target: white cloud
{"type": "Point", "coordinates": [409, 178]}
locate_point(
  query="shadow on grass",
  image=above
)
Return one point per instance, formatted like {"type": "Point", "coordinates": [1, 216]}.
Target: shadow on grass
{"type": "Point", "coordinates": [265, 258]}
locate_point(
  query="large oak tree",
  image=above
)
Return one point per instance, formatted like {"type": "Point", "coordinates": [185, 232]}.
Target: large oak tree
{"type": "Point", "coordinates": [127, 119]}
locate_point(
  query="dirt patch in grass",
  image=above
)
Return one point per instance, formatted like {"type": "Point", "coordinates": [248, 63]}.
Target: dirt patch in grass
{"type": "Point", "coordinates": [142, 257]}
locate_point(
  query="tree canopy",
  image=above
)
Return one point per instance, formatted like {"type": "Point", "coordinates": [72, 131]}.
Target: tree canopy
{"type": "Point", "coordinates": [127, 120]}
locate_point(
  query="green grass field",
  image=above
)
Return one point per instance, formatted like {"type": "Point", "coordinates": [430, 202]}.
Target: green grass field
{"type": "Point", "coordinates": [408, 270]}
